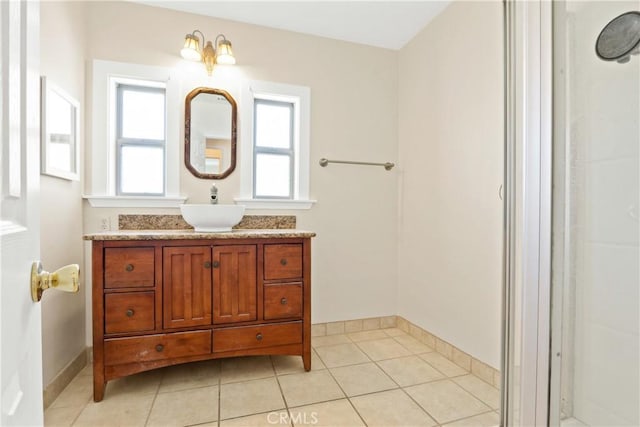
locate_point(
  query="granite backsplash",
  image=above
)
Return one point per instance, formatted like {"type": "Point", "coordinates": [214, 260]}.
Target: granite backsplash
{"type": "Point", "coordinates": [176, 222]}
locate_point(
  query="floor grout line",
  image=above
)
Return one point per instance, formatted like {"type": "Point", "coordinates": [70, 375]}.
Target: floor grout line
{"type": "Point", "coordinates": [219, 393]}
{"type": "Point", "coordinates": [284, 399]}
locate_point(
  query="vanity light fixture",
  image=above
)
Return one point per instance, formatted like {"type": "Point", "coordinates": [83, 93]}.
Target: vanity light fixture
{"type": "Point", "coordinates": [210, 56]}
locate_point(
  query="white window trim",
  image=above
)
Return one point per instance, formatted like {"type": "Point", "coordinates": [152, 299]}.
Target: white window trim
{"type": "Point", "coordinates": [102, 163]}
{"type": "Point", "coordinates": [301, 97]}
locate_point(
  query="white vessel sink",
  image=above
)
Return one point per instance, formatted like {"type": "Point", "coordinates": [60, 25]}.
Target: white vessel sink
{"type": "Point", "coordinates": [212, 218]}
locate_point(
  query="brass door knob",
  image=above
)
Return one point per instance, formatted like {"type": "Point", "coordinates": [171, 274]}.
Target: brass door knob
{"type": "Point", "coordinates": [216, 264]}
{"type": "Point", "coordinates": [159, 348]}
{"type": "Point", "coordinates": [65, 279]}
{"type": "Point", "coordinates": [129, 267]}
{"type": "Point", "coordinates": [129, 313]}
{"type": "Point", "coordinates": [259, 336]}
{"type": "Point", "coordinates": [207, 264]}
{"type": "Point", "coordinates": [283, 261]}
{"type": "Point", "coordinates": [283, 301]}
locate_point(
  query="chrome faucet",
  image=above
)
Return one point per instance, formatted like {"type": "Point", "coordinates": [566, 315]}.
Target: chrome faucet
{"type": "Point", "coordinates": [214, 195]}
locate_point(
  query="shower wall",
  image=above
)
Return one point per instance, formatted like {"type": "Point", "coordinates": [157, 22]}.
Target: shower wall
{"type": "Point", "coordinates": [600, 322]}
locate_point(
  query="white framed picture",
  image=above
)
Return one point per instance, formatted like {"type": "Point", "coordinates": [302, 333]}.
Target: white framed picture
{"type": "Point", "coordinates": [60, 128]}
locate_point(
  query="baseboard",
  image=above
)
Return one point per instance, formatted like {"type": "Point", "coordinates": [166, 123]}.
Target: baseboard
{"type": "Point", "coordinates": [62, 380]}
{"type": "Point", "coordinates": [465, 361]}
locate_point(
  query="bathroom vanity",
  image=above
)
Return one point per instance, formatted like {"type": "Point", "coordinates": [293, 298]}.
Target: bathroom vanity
{"type": "Point", "coordinates": [167, 297]}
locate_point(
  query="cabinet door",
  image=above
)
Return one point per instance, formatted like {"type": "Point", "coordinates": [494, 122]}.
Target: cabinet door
{"type": "Point", "coordinates": [234, 278]}
{"type": "Point", "coordinates": [186, 286]}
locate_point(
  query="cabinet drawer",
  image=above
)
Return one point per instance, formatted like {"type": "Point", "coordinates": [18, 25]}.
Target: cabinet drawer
{"type": "Point", "coordinates": [129, 312]}
{"type": "Point", "coordinates": [251, 337]}
{"type": "Point", "coordinates": [283, 301]}
{"type": "Point", "coordinates": [156, 347]}
{"type": "Point", "coordinates": [282, 261]}
{"type": "Point", "coordinates": [128, 267]}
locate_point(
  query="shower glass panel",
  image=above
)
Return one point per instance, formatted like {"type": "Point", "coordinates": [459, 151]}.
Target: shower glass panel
{"type": "Point", "coordinates": [595, 257]}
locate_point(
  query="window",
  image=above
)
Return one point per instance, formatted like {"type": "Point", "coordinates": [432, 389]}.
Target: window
{"type": "Point", "coordinates": [140, 139]}
{"type": "Point", "coordinates": [273, 149]}
{"type": "Point", "coordinates": [275, 156]}
{"type": "Point", "coordinates": [134, 149]}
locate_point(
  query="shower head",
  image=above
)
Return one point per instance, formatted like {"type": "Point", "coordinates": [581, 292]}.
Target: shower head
{"type": "Point", "coordinates": [620, 38]}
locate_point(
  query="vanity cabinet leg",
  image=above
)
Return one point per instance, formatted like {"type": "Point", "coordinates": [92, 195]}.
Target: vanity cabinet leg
{"type": "Point", "coordinates": [306, 360]}
{"type": "Point", "coordinates": [99, 385]}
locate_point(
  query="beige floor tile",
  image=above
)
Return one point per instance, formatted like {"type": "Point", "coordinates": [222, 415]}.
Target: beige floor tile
{"type": "Point", "coordinates": [309, 387]}
{"type": "Point", "coordinates": [341, 355]}
{"type": "Point", "coordinates": [329, 340]}
{"type": "Point", "coordinates": [237, 369]}
{"type": "Point", "coordinates": [61, 417]}
{"type": "Point", "coordinates": [395, 332]}
{"type": "Point", "coordinates": [77, 393]}
{"type": "Point", "coordinates": [250, 397]}
{"type": "Point", "coordinates": [391, 408]}
{"type": "Point", "coordinates": [446, 401]}
{"type": "Point", "coordinates": [185, 407]}
{"type": "Point", "coordinates": [273, 418]}
{"type": "Point", "coordinates": [443, 364]}
{"type": "Point", "coordinates": [410, 370]}
{"type": "Point", "coordinates": [338, 413]}
{"type": "Point", "coordinates": [387, 348]}
{"type": "Point", "coordinates": [367, 335]}
{"type": "Point", "coordinates": [294, 365]}
{"type": "Point", "coordinates": [190, 375]}
{"type": "Point", "coordinates": [480, 389]}
{"type": "Point", "coordinates": [360, 379]}
{"type": "Point", "coordinates": [142, 383]}
{"type": "Point", "coordinates": [130, 410]}
{"type": "Point", "coordinates": [489, 419]}
{"type": "Point", "coordinates": [413, 345]}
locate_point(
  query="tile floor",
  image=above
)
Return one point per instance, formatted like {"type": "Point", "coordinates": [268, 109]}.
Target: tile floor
{"type": "Point", "coordinates": [373, 378]}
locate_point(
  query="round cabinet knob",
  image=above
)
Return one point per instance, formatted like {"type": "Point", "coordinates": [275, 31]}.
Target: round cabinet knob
{"type": "Point", "coordinates": [129, 313]}
{"type": "Point", "coordinates": [159, 348]}
{"type": "Point", "coordinates": [259, 336]}
{"type": "Point", "coordinates": [216, 264]}
{"type": "Point", "coordinates": [283, 261]}
{"type": "Point", "coordinates": [129, 267]}
{"type": "Point", "coordinates": [207, 264]}
{"type": "Point", "coordinates": [283, 301]}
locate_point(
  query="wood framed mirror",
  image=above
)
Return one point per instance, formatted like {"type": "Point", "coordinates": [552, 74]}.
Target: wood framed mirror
{"type": "Point", "coordinates": [210, 119]}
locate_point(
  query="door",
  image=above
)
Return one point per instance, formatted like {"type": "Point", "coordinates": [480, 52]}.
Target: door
{"type": "Point", "coordinates": [234, 276]}
{"type": "Point", "coordinates": [20, 330]}
{"type": "Point", "coordinates": [595, 377]}
{"type": "Point", "coordinates": [186, 286]}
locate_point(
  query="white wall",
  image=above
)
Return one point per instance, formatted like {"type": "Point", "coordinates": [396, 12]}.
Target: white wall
{"type": "Point", "coordinates": [603, 132]}
{"type": "Point", "coordinates": [63, 315]}
{"type": "Point", "coordinates": [354, 117]}
{"type": "Point", "coordinates": [451, 155]}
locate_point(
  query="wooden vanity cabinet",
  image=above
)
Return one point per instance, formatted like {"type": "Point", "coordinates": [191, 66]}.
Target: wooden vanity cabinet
{"type": "Point", "coordinates": [163, 302]}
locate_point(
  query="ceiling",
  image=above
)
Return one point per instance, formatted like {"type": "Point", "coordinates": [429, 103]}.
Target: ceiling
{"type": "Point", "coordinates": [386, 24]}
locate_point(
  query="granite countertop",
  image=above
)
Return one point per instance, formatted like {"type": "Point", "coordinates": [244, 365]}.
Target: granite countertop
{"type": "Point", "coordinates": [193, 235]}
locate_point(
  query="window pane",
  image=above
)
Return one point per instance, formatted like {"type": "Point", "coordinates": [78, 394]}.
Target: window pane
{"type": "Point", "coordinates": [141, 169]}
{"type": "Point", "coordinates": [142, 114]}
{"type": "Point", "coordinates": [273, 175]}
{"type": "Point", "coordinates": [273, 124]}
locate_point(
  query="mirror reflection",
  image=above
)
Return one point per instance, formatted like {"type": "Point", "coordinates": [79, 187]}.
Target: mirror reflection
{"type": "Point", "coordinates": [210, 133]}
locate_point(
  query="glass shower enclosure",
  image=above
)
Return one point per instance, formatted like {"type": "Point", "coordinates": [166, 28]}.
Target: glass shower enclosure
{"type": "Point", "coordinates": [571, 352]}
{"type": "Point", "coordinates": [595, 273]}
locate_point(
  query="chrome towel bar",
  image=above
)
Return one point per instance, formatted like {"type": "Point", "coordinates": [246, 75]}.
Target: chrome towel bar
{"type": "Point", "coordinates": [388, 166]}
